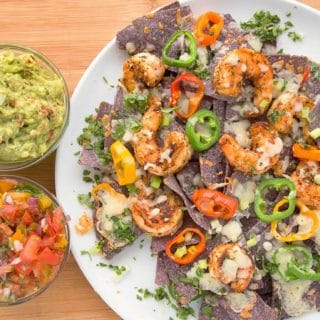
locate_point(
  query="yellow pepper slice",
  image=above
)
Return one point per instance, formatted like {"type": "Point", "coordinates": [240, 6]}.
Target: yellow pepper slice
{"type": "Point", "coordinates": [124, 163]}
{"type": "Point", "coordinates": [45, 202]}
{"type": "Point", "coordinates": [304, 211]}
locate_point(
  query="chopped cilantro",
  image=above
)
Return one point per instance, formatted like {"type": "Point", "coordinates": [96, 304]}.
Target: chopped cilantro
{"type": "Point", "coordinates": [295, 36]}
{"type": "Point", "coordinates": [118, 270]}
{"type": "Point", "coordinates": [87, 179]}
{"type": "Point", "coordinates": [201, 71]}
{"type": "Point", "coordinates": [92, 138]}
{"type": "Point", "coordinates": [85, 172]}
{"type": "Point", "coordinates": [123, 230]}
{"type": "Point", "coordinates": [206, 310]}
{"type": "Point", "coordinates": [105, 80]}
{"type": "Point", "coordinates": [133, 124]}
{"type": "Point", "coordinates": [118, 131]}
{"type": "Point", "coordinates": [314, 69]}
{"type": "Point", "coordinates": [84, 252]}
{"type": "Point", "coordinates": [136, 101]}
{"type": "Point", "coordinates": [274, 116]}
{"type": "Point", "coordinates": [288, 14]}
{"type": "Point", "coordinates": [280, 50]}
{"type": "Point", "coordinates": [25, 187]}
{"type": "Point", "coordinates": [85, 199]}
{"type": "Point", "coordinates": [288, 24]}
{"type": "Point", "coordinates": [132, 188]}
{"type": "Point", "coordinates": [77, 153]}
{"type": "Point", "coordinates": [265, 25]}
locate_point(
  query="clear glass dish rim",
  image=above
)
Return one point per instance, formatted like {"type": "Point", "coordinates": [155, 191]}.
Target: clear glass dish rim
{"type": "Point", "coordinates": [66, 252]}
{"type": "Point", "coordinates": [14, 166]}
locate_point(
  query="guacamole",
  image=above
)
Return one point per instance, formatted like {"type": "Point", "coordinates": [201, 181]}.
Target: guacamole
{"type": "Point", "coordinates": [32, 108]}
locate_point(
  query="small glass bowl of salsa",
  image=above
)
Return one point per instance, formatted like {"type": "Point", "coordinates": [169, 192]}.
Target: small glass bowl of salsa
{"type": "Point", "coordinates": [34, 239]}
{"type": "Point", "coordinates": [34, 107]}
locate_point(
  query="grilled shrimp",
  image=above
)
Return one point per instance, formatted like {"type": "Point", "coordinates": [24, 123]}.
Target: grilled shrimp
{"type": "Point", "coordinates": [142, 69]}
{"type": "Point", "coordinates": [168, 159]}
{"type": "Point", "coordinates": [231, 264]}
{"type": "Point", "coordinates": [245, 63]}
{"type": "Point", "coordinates": [158, 217]}
{"type": "Point", "coordinates": [287, 106]}
{"type": "Point", "coordinates": [306, 179]}
{"type": "Point", "coordinates": [266, 147]}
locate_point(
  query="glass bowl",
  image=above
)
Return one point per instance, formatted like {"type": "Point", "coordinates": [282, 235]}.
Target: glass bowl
{"type": "Point", "coordinates": [66, 251]}
{"type": "Point", "coordinates": [8, 164]}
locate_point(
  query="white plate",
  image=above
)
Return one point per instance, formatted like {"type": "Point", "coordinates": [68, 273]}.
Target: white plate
{"type": "Point", "coordinates": [120, 295]}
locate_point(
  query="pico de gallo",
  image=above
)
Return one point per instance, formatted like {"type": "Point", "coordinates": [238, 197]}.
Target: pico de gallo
{"type": "Point", "coordinates": [33, 239]}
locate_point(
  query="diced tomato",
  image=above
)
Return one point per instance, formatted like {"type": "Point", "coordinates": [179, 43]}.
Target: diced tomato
{"type": "Point", "coordinates": [47, 256]}
{"type": "Point", "coordinates": [8, 212]}
{"type": "Point", "coordinates": [48, 241]}
{"type": "Point", "coordinates": [58, 220]}
{"type": "Point", "coordinates": [31, 248]}
{"type": "Point", "coordinates": [27, 218]}
{"type": "Point", "coordinates": [23, 268]}
{"type": "Point", "coordinates": [5, 229]}
{"type": "Point", "coordinates": [6, 268]}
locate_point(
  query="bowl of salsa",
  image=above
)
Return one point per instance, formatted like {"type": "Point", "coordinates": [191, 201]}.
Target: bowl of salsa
{"type": "Point", "coordinates": [34, 239]}
{"type": "Point", "coordinates": [34, 107]}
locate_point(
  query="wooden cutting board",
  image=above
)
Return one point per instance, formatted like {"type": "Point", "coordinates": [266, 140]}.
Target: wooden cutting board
{"type": "Point", "coordinates": [70, 33]}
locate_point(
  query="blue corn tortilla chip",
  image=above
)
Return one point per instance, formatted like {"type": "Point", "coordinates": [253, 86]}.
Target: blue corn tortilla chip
{"type": "Point", "coordinates": [169, 270]}
{"type": "Point", "coordinates": [312, 85]}
{"type": "Point", "coordinates": [152, 31]}
{"type": "Point", "coordinates": [307, 301]}
{"type": "Point", "coordinates": [187, 177]}
{"type": "Point", "coordinates": [88, 157]}
{"type": "Point", "coordinates": [220, 308]}
{"type": "Point", "coordinates": [315, 119]}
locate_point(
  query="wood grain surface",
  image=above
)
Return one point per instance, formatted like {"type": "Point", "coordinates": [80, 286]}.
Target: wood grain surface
{"type": "Point", "coordinates": [70, 33]}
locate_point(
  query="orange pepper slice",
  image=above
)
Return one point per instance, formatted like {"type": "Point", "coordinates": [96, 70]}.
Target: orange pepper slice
{"type": "Point", "coordinates": [208, 28]}
{"type": "Point", "coordinates": [304, 211]}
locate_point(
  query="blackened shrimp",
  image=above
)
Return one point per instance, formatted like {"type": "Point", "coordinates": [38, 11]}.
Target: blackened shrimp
{"type": "Point", "coordinates": [306, 178]}
{"type": "Point", "coordinates": [231, 264]}
{"type": "Point", "coordinates": [266, 147]}
{"type": "Point", "coordinates": [168, 159]}
{"type": "Point", "coordinates": [243, 63]}
{"type": "Point", "coordinates": [287, 106]}
{"type": "Point", "coordinates": [160, 216]}
{"type": "Point", "coordinates": [142, 70]}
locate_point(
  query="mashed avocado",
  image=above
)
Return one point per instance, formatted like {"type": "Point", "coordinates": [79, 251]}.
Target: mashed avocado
{"type": "Point", "coordinates": [32, 108]}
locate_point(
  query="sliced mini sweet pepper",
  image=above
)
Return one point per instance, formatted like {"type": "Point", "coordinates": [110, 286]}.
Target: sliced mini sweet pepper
{"type": "Point", "coordinates": [124, 163]}
{"type": "Point", "coordinates": [215, 204]}
{"type": "Point", "coordinates": [194, 98]}
{"type": "Point", "coordinates": [208, 28]}
{"type": "Point", "coordinates": [304, 212]}
{"type": "Point", "coordinates": [305, 75]}
{"type": "Point", "coordinates": [191, 55]}
{"type": "Point", "coordinates": [203, 130]}
{"type": "Point", "coordinates": [311, 153]}
{"type": "Point", "coordinates": [260, 202]}
{"type": "Point", "coordinates": [104, 187]}
{"type": "Point", "coordinates": [186, 254]}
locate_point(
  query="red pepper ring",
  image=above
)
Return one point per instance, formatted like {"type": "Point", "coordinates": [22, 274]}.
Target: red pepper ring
{"type": "Point", "coordinates": [194, 99]}
{"type": "Point", "coordinates": [208, 28]}
{"type": "Point", "coordinates": [215, 204]}
{"type": "Point", "coordinates": [305, 75]}
{"type": "Point", "coordinates": [193, 251]}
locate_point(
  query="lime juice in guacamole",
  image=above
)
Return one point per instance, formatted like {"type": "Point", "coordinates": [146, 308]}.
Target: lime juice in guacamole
{"type": "Point", "coordinates": [32, 107]}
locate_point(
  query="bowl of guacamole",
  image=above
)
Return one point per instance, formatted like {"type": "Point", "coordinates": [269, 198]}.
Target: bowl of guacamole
{"type": "Point", "coordinates": [34, 107]}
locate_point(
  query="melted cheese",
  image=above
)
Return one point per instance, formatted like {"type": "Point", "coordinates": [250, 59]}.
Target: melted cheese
{"type": "Point", "coordinates": [230, 269]}
{"type": "Point", "coordinates": [241, 301]}
{"type": "Point", "coordinates": [114, 205]}
{"type": "Point", "coordinates": [291, 296]}
{"type": "Point", "coordinates": [240, 130]}
{"type": "Point", "coordinates": [245, 193]}
{"type": "Point", "coordinates": [232, 230]}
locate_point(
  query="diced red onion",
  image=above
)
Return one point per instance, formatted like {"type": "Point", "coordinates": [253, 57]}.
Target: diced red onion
{"type": "Point", "coordinates": [8, 199]}
{"type": "Point", "coordinates": [33, 202]}
{"type": "Point", "coordinates": [16, 261]}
